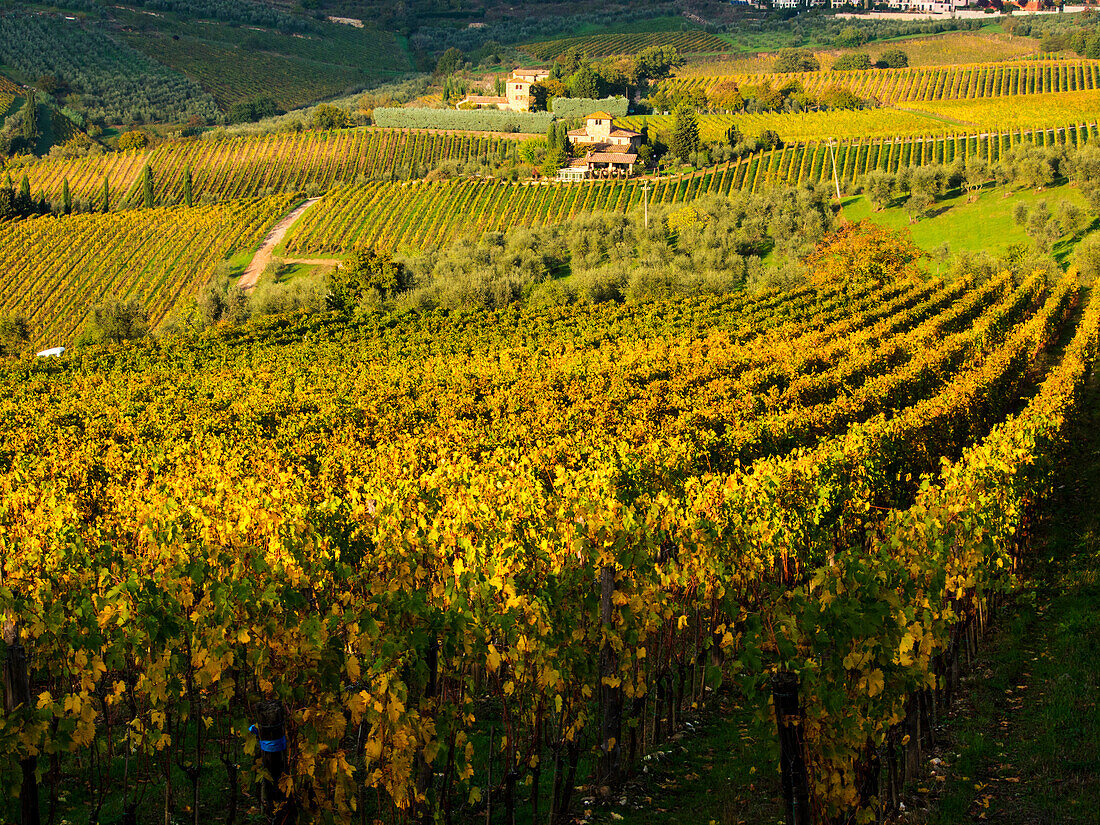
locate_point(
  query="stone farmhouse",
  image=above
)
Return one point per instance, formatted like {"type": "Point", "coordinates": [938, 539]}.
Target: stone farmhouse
{"type": "Point", "coordinates": [517, 92]}
{"type": "Point", "coordinates": [609, 151]}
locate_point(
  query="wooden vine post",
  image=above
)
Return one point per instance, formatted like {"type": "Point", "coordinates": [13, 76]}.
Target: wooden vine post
{"type": "Point", "coordinates": [271, 731]}
{"type": "Point", "coordinates": [792, 757]}
{"type": "Point", "coordinates": [611, 700]}
{"type": "Point", "coordinates": [17, 692]}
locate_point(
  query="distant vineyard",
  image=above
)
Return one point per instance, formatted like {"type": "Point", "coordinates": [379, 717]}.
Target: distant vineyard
{"type": "Point", "coordinates": [937, 83]}
{"type": "Point", "coordinates": [6, 101]}
{"type": "Point", "coordinates": [802, 126]}
{"type": "Point", "coordinates": [417, 216]}
{"type": "Point", "coordinates": [116, 82]}
{"type": "Point", "coordinates": [1002, 115]}
{"type": "Point", "coordinates": [57, 269]}
{"type": "Point", "coordinates": [970, 115]}
{"type": "Point", "coordinates": [289, 82]}
{"type": "Point", "coordinates": [950, 48]}
{"type": "Point", "coordinates": [9, 87]}
{"type": "Point", "coordinates": [603, 45]}
{"type": "Point", "coordinates": [248, 166]}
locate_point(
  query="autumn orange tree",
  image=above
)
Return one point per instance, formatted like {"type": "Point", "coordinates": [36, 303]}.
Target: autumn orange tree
{"type": "Point", "coordinates": [865, 252]}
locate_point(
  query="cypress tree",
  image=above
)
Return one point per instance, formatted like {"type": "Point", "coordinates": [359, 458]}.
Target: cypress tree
{"type": "Point", "coordinates": [24, 204]}
{"type": "Point", "coordinates": [30, 120]}
{"type": "Point", "coordinates": [685, 134]}
{"type": "Point", "coordinates": [66, 198]}
{"type": "Point", "coordinates": [106, 195]}
{"type": "Point", "coordinates": [147, 183]}
{"type": "Point", "coordinates": [187, 186]}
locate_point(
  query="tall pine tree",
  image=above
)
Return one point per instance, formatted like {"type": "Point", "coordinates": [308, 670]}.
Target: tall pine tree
{"type": "Point", "coordinates": [66, 198]}
{"type": "Point", "coordinates": [147, 185]}
{"type": "Point", "coordinates": [187, 197]}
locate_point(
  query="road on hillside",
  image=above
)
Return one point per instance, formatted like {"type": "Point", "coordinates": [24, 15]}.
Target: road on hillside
{"type": "Point", "coordinates": [275, 237]}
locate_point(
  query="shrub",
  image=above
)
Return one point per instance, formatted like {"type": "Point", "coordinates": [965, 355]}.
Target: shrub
{"type": "Point", "coordinates": [795, 60]}
{"type": "Point", "coordinates": [132, 140]}
{"type": "Point", "coordinates": [115, 322]}
{"type": "Point", "coordinates": [306, 294]}
{"type": "Point", "coordinates": [852, 62]}
{"type": "Point", "coordinates": [326, 117]}
{"type": "Point", "coordinates": [892, 59]}
{"type": "Point", "coordinates": [1087, 259]}
{"type": "Point", "coordinates": [14, 334]}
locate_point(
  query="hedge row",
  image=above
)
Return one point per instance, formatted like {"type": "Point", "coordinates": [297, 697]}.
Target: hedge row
{"type": "Point", "coordinates": [582, 106]}
{"type": "Point", "coordinates": [474, 120]}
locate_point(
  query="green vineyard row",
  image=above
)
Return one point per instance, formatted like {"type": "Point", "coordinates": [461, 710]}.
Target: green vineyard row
{"type": "Point", "coordinates": [889, 86]}
{"type": "Point", "coordinates": [604, 45]}
{"type": "Point", "coordinates": [59, 268]}
{"type": "Point", "coordinates": [249, 166]}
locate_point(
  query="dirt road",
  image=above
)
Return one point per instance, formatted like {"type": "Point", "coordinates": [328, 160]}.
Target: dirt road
{"type": "Point", "coordinates": [264, 254]}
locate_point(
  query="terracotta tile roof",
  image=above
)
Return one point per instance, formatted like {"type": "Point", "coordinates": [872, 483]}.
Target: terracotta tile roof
{"type": "Point", "coordinates": [618, 132]}
{"type": "Point", "coordinates": [612, 157]}
{"type": "Point", "coordinates": [578, 133]}
{"type": "Point", "coordinates": [599, 116]}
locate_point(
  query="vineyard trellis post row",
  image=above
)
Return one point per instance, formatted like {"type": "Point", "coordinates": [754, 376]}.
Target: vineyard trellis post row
{"type": "Point", "coordinates": [792, 754]}
{"type": "Point", "coordinates": [17, 692]}
{"type": "Point", "coordinates": [610, 686]}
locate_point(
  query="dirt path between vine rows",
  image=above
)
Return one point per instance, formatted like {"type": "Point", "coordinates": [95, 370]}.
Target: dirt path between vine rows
{"type": "Point", "coordinates": [266, 251]}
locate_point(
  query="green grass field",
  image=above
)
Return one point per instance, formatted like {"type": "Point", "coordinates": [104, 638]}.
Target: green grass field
{"type": "Point", "coordinates": [985, 225]}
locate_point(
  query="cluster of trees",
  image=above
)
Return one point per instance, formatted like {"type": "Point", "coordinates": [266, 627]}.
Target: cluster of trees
{"type": "Point", "coordinates": [115, 321]}
{"type": "Point", "coordinates": [221, 303]}
{"type": "Point", "coordinates": [574, 75]}
{"type": "Point", "coordinates": [1045, 227]}
{"type": "Point", "coordinates": [713, 245]}
{"type": "Point", "coordinates": [524, 28]}
{"type": "Point", "coordinates": [727, 96]}
{"type": "Point", "coordinates": [1078, 33]}
{"type": "Point", "coordinates": [240, 12]}
{"type": "Point", "coordinates": [803, 60]}
{"type": "Point", "coordinates": [818, 28]}
{"type": "Point", "coordinates": [250, 111]}
{"type": "Point", "coordinates": [19, 203]}
{"type": "Point", "coordinates": [716, 244]}
{"type": "Point", "coordinates": [21, 130]}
